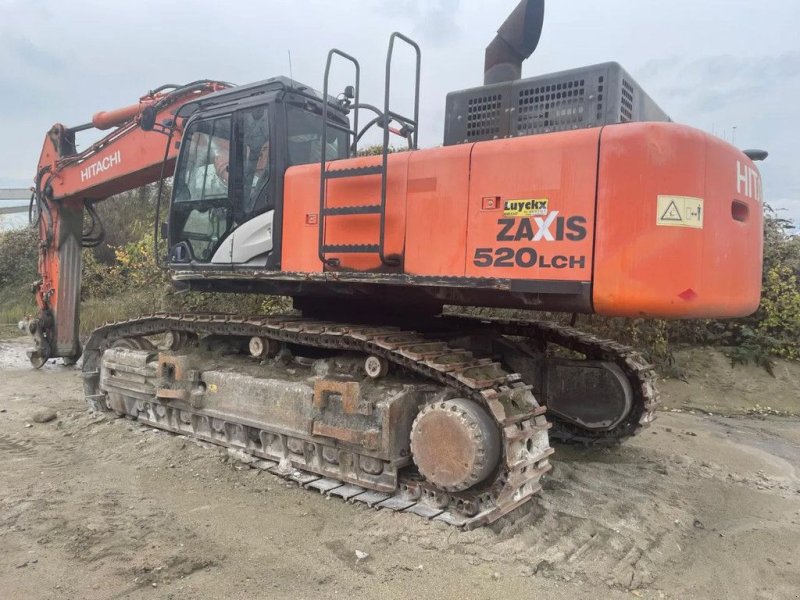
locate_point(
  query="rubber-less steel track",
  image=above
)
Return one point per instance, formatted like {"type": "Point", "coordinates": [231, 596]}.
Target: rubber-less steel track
{"type": "Point", "coordinates": [506, 398]}
{"type": "Point", "coordinates": [639, 372]}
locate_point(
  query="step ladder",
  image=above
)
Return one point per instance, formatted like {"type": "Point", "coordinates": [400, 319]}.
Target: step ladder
{"type": "Point", "coordinates": [409, 130]}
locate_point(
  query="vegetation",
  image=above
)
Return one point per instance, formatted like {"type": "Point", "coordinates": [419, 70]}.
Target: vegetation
{"type": "Point", "coordinates": [774, 329]}
{"type": "Point", "coordinates": [126, 276]}
{"type": "Point", "coordinates": [121, 279]}
{"type": "Point", "coordinates": [377, 150]}
{"type": "Point", "coordinates": [18, 262]}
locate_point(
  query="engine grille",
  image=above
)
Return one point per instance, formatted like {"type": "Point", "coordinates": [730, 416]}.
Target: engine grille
{"type": "Point", "coordinates": [592, 96]}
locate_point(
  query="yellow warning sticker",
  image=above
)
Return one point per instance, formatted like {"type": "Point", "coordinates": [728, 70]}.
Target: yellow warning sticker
{"type": "Point", "coordinates": [525, 207]}
{"type": "Point", "coordinates": [680, 211]}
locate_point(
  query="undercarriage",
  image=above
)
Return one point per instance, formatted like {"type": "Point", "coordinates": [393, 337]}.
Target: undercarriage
{"type": "Point", "coordinates": [446, 421]}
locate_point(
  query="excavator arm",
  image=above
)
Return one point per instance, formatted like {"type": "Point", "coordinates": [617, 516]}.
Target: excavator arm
{"type": "Point", "coordinates": [141, 148]}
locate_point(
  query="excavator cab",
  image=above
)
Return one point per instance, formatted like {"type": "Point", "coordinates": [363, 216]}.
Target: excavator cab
{"type": "Point", "coordinates": [226, 205]}
{"type": "Point", "coordinates": [228, 195]}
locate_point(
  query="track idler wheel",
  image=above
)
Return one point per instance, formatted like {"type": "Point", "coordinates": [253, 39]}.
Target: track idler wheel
{"type": "Point", "coordinates": [455, 444]}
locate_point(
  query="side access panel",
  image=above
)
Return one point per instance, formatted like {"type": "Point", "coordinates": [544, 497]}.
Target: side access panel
{"type": "Point", "coordinates": [531, 211]}
{"type": "Point", "coordinates": [678, 228]}
{"type": "Point", "coordinates": [436, 223]}
{"type": "Point", "coordinates": [301, 218]}
{"type": "Point", "coordinates": [365, 229]}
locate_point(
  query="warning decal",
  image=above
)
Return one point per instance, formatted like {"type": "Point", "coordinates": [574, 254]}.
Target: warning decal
{"type": "Point", "coordinates": [680, 211]}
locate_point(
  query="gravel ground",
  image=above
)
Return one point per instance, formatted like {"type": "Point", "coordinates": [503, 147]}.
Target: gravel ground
{"type": "Point", "coordinates": [699, 505]}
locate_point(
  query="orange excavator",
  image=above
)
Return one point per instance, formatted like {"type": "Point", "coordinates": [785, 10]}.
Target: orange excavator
{"type": "Point", "coordinates": [571, 192]}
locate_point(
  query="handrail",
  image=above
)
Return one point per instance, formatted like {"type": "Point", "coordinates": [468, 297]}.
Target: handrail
{"type": "Point", "coordinates": [410, 131]}
{"type": "Point", "coordinates": [389, 114]}
{"type": "Point", "coordinates": [324, 150]}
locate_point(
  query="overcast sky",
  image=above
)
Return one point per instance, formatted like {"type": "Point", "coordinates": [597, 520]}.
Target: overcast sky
{"type": "Point", "coordinates": [727, 66]}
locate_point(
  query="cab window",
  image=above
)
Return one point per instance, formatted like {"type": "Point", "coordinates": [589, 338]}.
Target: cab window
{"type": "Point", "coordinates": [304, 129]}
{"type": "Point", "coordinates": [206, 163]}
{"type": "Point", "coordinates": [201, 212]}
{"type": "Point", "coordinates": [255, 163]}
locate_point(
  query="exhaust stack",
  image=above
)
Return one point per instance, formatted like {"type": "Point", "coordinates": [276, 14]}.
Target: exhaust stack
{"type": "Point", "coordinates": [515, 41]}
{"type": "Point", "coordinates": [507, 106]}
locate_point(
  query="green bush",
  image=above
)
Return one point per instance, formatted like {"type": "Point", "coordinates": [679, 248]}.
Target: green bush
{"type": "Point", "coordinates": [779, 314]}
{"type": "Point", "coordinates": [245, 304]}
{"type": "Point", "coordinates": [127, 218]}
{"type": "Point", "coordinates": [19, 257]}
{"type": "Point", "coordinates": [377, 150]}
{"type": "Point", "coordinates": [774, 329]}
{"type": "Point", "coordinates": [133, 284]}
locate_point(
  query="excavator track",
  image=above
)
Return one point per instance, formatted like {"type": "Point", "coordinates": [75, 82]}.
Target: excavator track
{"type": "Point", "coordinates": [639, 372]}
{"type": "Point", "coordinates": [505, 397]}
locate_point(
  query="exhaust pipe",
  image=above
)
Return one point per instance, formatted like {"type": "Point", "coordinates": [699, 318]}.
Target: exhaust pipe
{"type": "Point", "coordinates": [515, 41]}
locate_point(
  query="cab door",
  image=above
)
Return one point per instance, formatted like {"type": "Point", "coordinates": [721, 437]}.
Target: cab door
{"type": "Point", "coordinates": [252, 191]}
{"type": "Point", "coordinates": [201, 212]}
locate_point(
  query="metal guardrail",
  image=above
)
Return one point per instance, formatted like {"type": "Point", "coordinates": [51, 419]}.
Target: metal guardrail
{"type": "Point", "coordinates": [15, 194]}
{"type": "Point", "coordinates": [11, 210]}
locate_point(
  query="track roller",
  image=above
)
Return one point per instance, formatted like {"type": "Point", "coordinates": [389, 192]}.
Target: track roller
{"type": "Point", "coordinates": [376, 367]}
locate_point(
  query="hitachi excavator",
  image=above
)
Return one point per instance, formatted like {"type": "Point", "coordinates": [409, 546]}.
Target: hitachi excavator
{"type": "Point", "coordinates": [571, 192]}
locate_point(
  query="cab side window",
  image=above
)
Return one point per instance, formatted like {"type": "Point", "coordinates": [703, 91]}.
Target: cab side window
{"type": "Point", "coordinates": [305, 138]}
{"type": "Point", "coordinates": [255, 163]}
{"type": "Point", "coordinates": [207, 161]}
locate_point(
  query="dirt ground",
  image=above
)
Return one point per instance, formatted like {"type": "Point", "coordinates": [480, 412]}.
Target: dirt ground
{"type": "Point", "coordinates": [699, 506]}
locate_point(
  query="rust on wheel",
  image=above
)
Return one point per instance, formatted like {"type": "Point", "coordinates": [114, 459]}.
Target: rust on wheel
{"type": "Point", "coordinates": [455, 444]}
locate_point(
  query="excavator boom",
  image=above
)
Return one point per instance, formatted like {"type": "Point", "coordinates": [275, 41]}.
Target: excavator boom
{"type": "Point", "coordinates": [68, 182]}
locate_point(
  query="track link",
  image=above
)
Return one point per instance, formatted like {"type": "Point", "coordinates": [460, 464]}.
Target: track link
{"type": "Point", "coordinates": [639, 372]}
{"type": "Point", "coordinates": [507, 399]}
